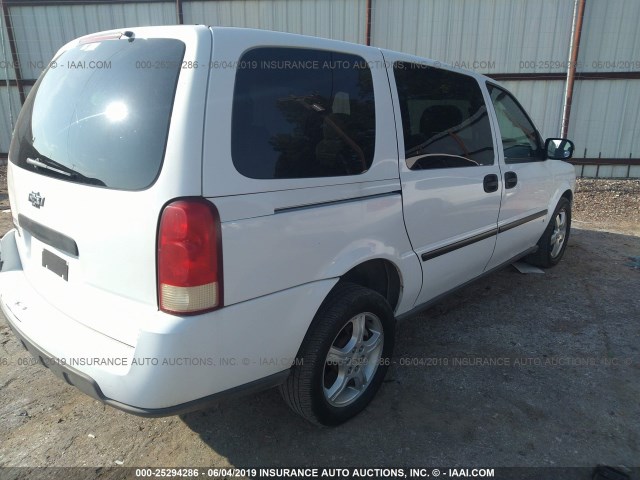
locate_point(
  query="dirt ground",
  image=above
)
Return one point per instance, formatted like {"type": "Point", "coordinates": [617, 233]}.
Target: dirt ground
{"type": "Point", "coordinates": [608, 205]}
{"type": "Point", "coordinates": [566, 394]}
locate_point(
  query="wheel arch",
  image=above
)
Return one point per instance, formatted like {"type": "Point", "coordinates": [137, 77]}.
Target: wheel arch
{"type": "Point", "coordinates": [378, 274]}
{"type": "Point", "coordinates": [563, 191]}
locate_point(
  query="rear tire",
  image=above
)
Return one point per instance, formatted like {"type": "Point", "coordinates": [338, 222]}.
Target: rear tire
{"type": "Point", "coordinates": [343, 358]}
{"type": "Point", "coordinates": [553, 242]}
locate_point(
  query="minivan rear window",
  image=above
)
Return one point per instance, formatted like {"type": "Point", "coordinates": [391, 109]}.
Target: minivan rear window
{"type": "Point", "coordinates": [100, 113]}
{"type": "Point", "coordinates": [302, 113]}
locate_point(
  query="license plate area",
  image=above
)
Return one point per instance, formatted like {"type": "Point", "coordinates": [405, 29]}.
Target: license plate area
{"type": "Point", "coordinates": [54, 263]}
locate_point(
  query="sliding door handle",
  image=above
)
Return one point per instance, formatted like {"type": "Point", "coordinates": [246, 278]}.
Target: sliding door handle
{"type": "Point", "coordinates": [490, 183]}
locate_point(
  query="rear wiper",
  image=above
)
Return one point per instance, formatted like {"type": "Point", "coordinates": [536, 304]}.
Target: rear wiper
{"type": "Point", "coordinates": [58, 168]}
{"type": "Point", "coordinates": [53, 166]}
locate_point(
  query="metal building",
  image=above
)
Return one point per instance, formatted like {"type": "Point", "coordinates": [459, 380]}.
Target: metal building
{"type": "Point", "coordinates": [548, 52]}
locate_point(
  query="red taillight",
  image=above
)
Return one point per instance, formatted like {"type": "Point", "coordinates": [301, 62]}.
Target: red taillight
{"type": "Point", "coordinates": [189, 258]}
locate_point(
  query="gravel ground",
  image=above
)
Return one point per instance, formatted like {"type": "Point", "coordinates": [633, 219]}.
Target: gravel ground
{"type": "Point", "coordinates": [608, 204]}
{"type": "Point", "coordinates": [569, 395]}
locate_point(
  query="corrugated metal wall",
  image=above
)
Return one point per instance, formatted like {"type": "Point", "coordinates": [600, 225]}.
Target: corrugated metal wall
{"type": "Point", "coordinates": [605, 118]}
{"type": "Point", "coordinates": [337, 19]}
{"type": "Point", "coordinates": [491, 36]}
{"type": "Point", "coordinates": [608, 126]}
{"type": "Point", "coordinates": [6, 69]}
{"type": "Point", "coordinates": [10, 107]}
{"type": "Point", "coordinates": [40, 31]}
{"type": "Point", "coordinates": [611, 38]}
{"type": "Point", "coordinates": [9, 97]}
{"type": "Point", "coordinates": [501, 36]}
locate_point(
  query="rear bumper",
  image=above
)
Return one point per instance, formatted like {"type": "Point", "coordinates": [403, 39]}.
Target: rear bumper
{"type": "Point", "coordinates": [177, 364]}
{"type": "Point", "coordinates": [88, 385]}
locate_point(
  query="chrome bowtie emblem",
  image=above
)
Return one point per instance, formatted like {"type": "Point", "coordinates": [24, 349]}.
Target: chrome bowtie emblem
{"type": "Point", "coordinates": [36, 200]}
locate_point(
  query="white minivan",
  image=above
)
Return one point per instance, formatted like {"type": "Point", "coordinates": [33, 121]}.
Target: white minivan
{"type": "Point", "coordinates": [201, 212]}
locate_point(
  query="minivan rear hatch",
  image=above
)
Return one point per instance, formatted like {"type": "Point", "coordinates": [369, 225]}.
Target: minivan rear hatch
{"type": "Point", "coordinates": [110, 132]}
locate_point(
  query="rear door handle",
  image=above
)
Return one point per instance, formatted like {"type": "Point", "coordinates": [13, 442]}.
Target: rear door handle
{"type": "Point", "coordinates": [490, 183]}
{"type": "Point", "coordinates": [510, 179]}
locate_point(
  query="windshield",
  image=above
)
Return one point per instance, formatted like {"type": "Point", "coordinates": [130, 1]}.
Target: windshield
{"type": "Point", "coordinates": [100, 113]}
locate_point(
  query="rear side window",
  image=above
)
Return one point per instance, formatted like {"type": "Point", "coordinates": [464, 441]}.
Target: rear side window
{"type": "Point", "coordinates": [444, 118]}
{"type": "Point", "coordinates": [301, 113]}
{"type": "Point", "coordinates": [100, 115]}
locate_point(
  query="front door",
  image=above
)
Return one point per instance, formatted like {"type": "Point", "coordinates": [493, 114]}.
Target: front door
{"type": "Point", "coordinates": [527, 179]}
{"type": "Point", "coordinates": [451, 183]}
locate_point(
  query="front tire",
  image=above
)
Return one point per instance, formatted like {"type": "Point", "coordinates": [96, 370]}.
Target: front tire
{"type": "Point", "coordinates": [553, 242]}
{"type": "Point", "coordinates": [343, 358]}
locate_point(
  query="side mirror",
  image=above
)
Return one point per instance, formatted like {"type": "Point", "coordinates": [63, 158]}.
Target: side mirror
{"type": "Point", "coordinates": [559, 148]}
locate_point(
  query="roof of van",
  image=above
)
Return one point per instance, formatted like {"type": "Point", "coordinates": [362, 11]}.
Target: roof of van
{"type": "Point", "coordinates": [276, 34]}
{"type": "Point", "coordinates": [262, 35]}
